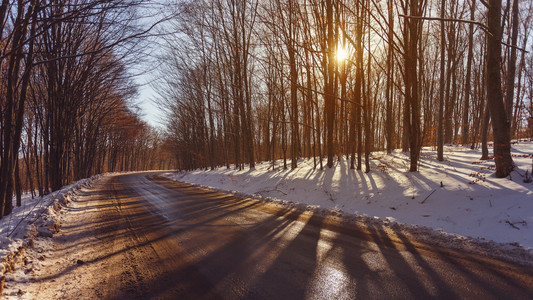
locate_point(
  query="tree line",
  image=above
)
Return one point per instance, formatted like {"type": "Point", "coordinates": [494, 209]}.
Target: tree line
{"type": "Point", "coordinates": [250, 80]}
{"type": "Point", "coordinates": [66, 93]}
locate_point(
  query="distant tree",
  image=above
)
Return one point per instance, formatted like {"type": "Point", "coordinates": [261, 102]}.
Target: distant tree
{"type": "Point", "coordinates": [470, 56]}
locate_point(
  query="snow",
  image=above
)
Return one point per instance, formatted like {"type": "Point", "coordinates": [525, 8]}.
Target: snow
{"type": "Point", "coordinates": [459, 198]}
{"type": "Point", "coordinates": [33, 224]}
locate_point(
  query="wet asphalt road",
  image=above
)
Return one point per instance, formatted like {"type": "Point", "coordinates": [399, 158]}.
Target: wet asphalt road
{"type": "Point", "coordinates": [166, 240]}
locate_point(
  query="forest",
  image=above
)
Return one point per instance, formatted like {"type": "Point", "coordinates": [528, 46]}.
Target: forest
{"type": "Point", "coordinates": [244, 81]}
{"type": "Point", "coordinates": [66, 93]}
{"type": "Point", "coordinates": [247, 80]}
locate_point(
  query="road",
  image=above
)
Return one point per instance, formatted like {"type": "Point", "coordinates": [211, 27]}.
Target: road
{"type": "Point", "coordinates": [140, 236]}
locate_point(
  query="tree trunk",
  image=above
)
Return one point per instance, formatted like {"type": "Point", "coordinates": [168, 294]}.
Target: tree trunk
{"type": "Point", "coordinates": [500, 122]}
{"type": "Point", "coordinates": [18, 190]}
{"type": "Point", "coordinates": [368, 107]}
{"type": "Point", "coordinates": [484, 134]}
{"type": "Point", "coordinates": [389, 122]}
{"type": "Point", "coordinates": [466, 106]}
{"type": "Point", "coordinates": [440, 119]}
{"type": "Point", "coordinates": [511, 67]}
{"type": "Point", "coordinates": [328, 89]}
{"type": "Point", "coordinates": [294, 105]}
{"type": "Point", "coordinates": [412, 97]}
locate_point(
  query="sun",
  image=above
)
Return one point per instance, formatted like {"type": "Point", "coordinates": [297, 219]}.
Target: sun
{"type": "Point", "coordinates": [341, 54]}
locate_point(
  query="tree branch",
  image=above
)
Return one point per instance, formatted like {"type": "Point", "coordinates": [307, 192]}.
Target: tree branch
{"type": "Point", "coordinates": [483, 26]}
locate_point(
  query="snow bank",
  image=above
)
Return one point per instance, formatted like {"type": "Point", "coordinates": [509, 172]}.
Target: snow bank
{"type": "Point", "coordinates": [455, 202]}
{"type": "Point", "coordinates": [37, 217]}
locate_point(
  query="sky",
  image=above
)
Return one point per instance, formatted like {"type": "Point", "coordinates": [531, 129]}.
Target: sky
{"type": "Point", "coordinates": [150, 113]}
{"type": "Point", "coordinates": [146, 69]}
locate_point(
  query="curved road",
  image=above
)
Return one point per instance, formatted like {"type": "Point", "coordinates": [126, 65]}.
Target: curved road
{"type": "Point", "coordinates": [139, 236]}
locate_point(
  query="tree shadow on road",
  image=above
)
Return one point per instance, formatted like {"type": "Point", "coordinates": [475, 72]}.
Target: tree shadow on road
{"type": "Point", "coordinates": [188, 242]}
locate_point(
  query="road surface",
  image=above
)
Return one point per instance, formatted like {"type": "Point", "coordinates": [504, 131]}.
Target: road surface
{"type": "Point", "coordinates": [139, 236]}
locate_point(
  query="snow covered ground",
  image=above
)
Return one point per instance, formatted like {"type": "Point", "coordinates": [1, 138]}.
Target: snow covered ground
{"type": "Point", "coordinates": [32, 224]}
{"type": "Point", "coordinates": [459, 198]}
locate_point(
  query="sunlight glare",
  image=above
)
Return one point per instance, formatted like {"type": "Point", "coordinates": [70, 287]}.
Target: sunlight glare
{"type": "Point", "coordinates": [341, 54]}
